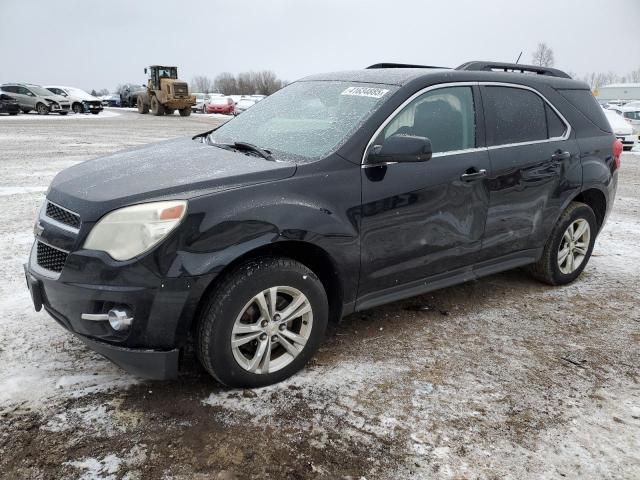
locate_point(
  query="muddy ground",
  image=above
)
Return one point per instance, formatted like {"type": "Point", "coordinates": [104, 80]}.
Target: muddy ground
{"type": "Point", "coordinates": [498, 378]}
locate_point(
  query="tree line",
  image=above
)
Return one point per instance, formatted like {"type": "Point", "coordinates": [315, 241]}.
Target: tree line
{"type": "Point", "coordinates": [264, 82]}
{"type": "Point", "coordinates": [543, 56]}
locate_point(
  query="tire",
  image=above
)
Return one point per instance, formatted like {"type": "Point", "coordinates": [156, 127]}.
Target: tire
{"type": "Point", "coordinates": [13, 113]}
{"type": "Point", "coordinates": [156, 107]}
{"type": "Point", "coordinates": [548, 269]}
{"type": "Point", "coordinates": [185, 112]}
{"type": "Point", "coordinates": [42, 109]}
{"type": "Point", "coordinates": [63, 113]}
{"type": "Point", "coordinates": [143, 107]}
{"type": "Point", "coordinates": [77, 108]}
{"type": "Point", "coordinates": [169, 111]}
{"type": "Point", "coordinates": [95, 113]}
{"type": "Point", "coordinates": [233, 302]}
{"type": "Point", "coordinates": [26, 110]}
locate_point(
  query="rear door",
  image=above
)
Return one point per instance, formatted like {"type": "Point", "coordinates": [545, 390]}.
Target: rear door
{"type": "Point", "coordinates": [420, 219]}
{"type": "Point", "coordinates": [535, 165]}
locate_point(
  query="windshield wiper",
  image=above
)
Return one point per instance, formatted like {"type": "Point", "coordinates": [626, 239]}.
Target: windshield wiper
{"type": "Point", "coordinates": [253, 148]}
{"type": "Point", "coordinates": [241, 146]}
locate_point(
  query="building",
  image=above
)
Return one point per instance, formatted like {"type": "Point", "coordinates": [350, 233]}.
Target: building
{"type": "Point", "coordinates": [618, 91]}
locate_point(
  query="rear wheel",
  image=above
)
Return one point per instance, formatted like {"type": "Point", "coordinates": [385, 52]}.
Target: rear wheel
{"type": "Point", "coordinates": [569, 246]}
{"type": "Point", "coordinates": [185, 112]}
{"type": "Point", "coordinates": [156, 107]}
{"type": "Point", "coordinates": [262, 323]}
{"type": "Point", "coordinates": [78, 108]}
{"type": "Point", "coordinates": [42, 109]}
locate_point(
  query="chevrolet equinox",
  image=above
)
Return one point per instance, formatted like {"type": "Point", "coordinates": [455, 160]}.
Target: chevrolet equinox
{"type": "Point", "coordinates": [340, 192]}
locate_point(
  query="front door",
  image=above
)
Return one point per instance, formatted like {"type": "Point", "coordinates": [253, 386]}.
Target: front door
{"type": "Point", "coordinates": [424, 218]}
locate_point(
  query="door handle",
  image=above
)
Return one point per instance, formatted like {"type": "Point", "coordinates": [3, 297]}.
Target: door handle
{"type": "Point", "coordinates": [473, 174]}
{"type": "Point", "coordinates": [560, 155]}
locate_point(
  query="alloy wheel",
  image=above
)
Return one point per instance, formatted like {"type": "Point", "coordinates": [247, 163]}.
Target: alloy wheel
{"type": "Point", "coordinates": [272, 329]}
{"type": "Point", "coordinates": [574, 246]}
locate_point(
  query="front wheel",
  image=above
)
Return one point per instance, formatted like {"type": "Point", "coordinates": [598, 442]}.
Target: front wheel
{"type": "Point", "coordinates": [569, 246]}
{"type": "Point", "coordinates": [78, 108]}
{"type": "Point", "coordinates": [156, 107]}
{"type": "Point", "coordinates": [185, 112]}
{"type": "Point", "coordinates": [42, 109]}
{"type": "Point", "coordinates": [262, 323]}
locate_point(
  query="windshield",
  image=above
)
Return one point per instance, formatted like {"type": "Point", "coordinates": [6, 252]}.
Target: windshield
{"type": "Point", "coordinates": [199, 96]}
{"type": "Point", "coordinates": [219, 101]}
{"type": "Point", "coordinates": [43, 92]}
{"type": "Point", "coordinates": [306, 119]}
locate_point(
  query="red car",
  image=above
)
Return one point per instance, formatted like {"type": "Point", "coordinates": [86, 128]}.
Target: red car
{"type": "Point", "coordinates": [220, 105]}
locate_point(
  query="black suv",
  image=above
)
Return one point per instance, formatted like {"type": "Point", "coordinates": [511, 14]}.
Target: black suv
{"type": "Point", "coordinates": [338, 193]}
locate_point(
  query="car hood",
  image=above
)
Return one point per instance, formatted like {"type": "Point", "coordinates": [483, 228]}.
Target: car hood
{"type": "Point", "coordinates": [57, 98]}
{"type": "Point", "coordinates": [173, 169]}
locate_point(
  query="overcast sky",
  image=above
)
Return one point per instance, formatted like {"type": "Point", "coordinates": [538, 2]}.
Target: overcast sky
{"type": "Point", "coordinates": [91, 44]}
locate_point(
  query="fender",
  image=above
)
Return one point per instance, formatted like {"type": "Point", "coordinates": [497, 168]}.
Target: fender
{"type": "Point", "coordinates": [225, 226]}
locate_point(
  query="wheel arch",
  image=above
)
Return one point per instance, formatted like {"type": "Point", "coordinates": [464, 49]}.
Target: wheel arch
{"type": "Point", "coordinates": [596, 200]}
{"type": "Point", "coordinates": [317, 259]}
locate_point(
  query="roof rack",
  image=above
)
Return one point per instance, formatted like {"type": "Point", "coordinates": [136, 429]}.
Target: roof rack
{"type": "Point", "coordinates": [399, 65]}
{"type": "Point", "coordinates": [512, 67]}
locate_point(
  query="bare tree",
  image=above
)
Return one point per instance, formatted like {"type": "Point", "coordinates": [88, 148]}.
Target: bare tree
{"type": "Point", "coordinates": [202, 84]}
{"type": "Point", "coordinates": [264, 82]}
{"type": "Point", "coordinates": [543, 56]}
{"type": "Point", "coordinates": [225, 83]}
{"type": "Point", "coordinates": [634, 76]}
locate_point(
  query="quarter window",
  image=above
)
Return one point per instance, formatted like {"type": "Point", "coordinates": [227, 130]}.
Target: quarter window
{"type": "Point", "coordinates": [445, 116]}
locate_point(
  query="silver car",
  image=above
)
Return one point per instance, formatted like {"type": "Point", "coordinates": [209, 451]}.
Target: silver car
{"type": "Point", "coordinates": [33, 97]}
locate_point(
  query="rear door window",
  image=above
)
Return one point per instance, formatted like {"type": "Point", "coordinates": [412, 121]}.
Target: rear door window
{"type": "Point", "coordinates": [515, 115]}
{"type": "Point", "coordinates": [555, 126]}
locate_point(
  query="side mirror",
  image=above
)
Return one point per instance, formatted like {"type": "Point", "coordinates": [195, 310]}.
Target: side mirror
{"type": "Point", "coordinates": [401, 148]}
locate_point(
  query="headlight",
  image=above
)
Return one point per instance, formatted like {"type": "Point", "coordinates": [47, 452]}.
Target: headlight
{"type": "Point", "coordinates": [130, 231]}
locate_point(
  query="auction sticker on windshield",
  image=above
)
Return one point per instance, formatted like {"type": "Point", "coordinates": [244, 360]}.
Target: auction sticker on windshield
{"type": "Point", "coordinates": [365, 92]}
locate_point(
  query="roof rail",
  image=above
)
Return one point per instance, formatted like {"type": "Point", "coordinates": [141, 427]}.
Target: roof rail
{"type": "Point", "coordinates": [512, 67]}
{"type": "Point", "coordinates": [399, 65]}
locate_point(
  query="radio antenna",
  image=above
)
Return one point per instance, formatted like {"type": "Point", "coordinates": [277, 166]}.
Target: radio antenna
{"type": "Point", "coordinates": [518, 60]}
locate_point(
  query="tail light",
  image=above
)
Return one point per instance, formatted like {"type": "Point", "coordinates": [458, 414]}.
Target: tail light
{"type": "Point", "coordinates": [617, 152]}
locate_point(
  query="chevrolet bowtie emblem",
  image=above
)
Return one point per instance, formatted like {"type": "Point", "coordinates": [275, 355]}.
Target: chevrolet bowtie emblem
{"type": "Point", "coordinates": [38, 229]}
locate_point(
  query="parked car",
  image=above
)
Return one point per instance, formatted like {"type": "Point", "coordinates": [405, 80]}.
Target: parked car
{"type": "Point", "coordinates": [339, 193]}
{"type": "Point", "coordinates": [622, 129]}
{"type": "Point", "coordinates": [199, 106]}
{"type": "Point", "coordinates": [8, 104]}
{"type": "Point", "coordinates": [111, 100]}
{"type": "Point", "coordinates": [257, 98]}
{"type": "Point", "coordinates": [236, 98]}
{"type": "Point", "coordinates": [81, 101]}
{"type": "Point", "coordinates": [633, 104]}
{"type": "Point", "coordinates": [244, 104]}
{"type": "Point", "coordinates": [34, 97]}
{"type": "Point", "coordinates": [129, 94]}
{"type": "Point", "coordinates": [631, 114]}
{"type": "Point", "coordinates": [223, 105]}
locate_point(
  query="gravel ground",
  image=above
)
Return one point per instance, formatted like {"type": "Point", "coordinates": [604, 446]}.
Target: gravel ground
{"type": "Point", "coordinates": [498, 378]}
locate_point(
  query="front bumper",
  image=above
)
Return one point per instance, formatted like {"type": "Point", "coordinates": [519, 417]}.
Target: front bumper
{"type": "Point", "coordinates": [162, 309]}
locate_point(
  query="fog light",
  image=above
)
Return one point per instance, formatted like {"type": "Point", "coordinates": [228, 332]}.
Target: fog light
{"type": "Point", "coordinates": [119, 319]}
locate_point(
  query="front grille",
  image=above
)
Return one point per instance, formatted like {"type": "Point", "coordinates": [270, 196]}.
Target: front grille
{"type": "Point", "coordinates": [62, 215]}
{"type": "Point", "coordinates": [65, 107]}
{"type": "Point", "coordinates": [180, 89]}
{"type": "Point", "coordinates": [50, 258]}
